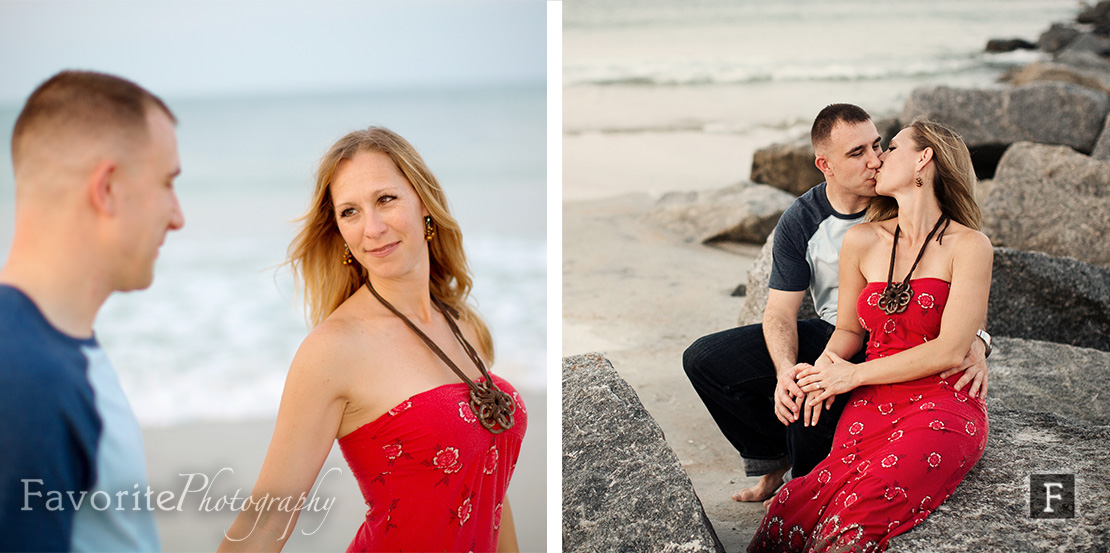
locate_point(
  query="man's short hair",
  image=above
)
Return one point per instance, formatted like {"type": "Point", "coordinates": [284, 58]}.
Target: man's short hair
{"type": "Point", "coordinates": [830, 116]}
{"type": "Point", "coordinates": [75, 102]}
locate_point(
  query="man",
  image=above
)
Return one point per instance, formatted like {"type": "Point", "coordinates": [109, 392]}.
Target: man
{"type": "Point", "coordinates": [95, 157]}
{"type": "Point", "coordinates": [746, 376]}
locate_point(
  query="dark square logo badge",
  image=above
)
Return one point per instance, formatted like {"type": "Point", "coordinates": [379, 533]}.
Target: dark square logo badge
{"type": "Point", "coordinates": [1052, 495]}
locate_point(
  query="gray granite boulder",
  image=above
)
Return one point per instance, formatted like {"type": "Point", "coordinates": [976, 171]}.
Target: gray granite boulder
{"type": "Point", "coordinates": [1057, 37]}
{"type": "Point", "coordinates": [1050, 199]}
{"type": "Point", "coordinates": [1044, 112]}
{"type": "Point", "coordinates": [623, 487]}
{"type": "Point", "coordinates": [1101, 150]}
{"type": "Point", "coordinates": [990, 511]}
{"type": "Point", "coordinates": [1099, 14]}
{"type": "Point", "coordinates": [787, 166]}
{"type": "Point", "coordinates": [756, 298]}
{"type": "Point", "coordinates": [1039, 71]}
{"type": "Point", "coordinates": [1055, 299]}
{"type": "Point", "coordinates": [742, 213]}
{"type": "Point", "coordinates": [1089, 42]}
{"type": "Point", "coordinates": [1034, 375]}
{"type": "Point", "coordinates": [1009, 45]}
{"type": "Point", "coordinates": [1083, 59]}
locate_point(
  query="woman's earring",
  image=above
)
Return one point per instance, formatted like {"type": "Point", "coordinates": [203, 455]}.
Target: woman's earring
{"type": "Point", "coordinates": [347, 257]}
{"type": "Point", "coordinates": [919, 183]}
{"type": "Point", "coordinates": [429, 228]}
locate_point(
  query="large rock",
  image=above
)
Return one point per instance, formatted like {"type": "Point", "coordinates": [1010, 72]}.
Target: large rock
{"type": "Point", "coordinates": [989, 511]}
{"type": "Point", "coordinates": [1101, 150]}
{"type": "Point", "coordinates": [1089, 42]}
{"type": "Point", "coordinates": [1053, 200]}
{"type": "Point", "coordinates": [1009, 45]}
{"type": "Point", "coordinates": [1099, 14]}
{"type": "Point", "coordinates": [623, 487]}
{"type": "Point", "coordinates": [1057, 37]}
{"type": "Point", "coordinates": [1044, 112]}
{"type": "Point", "coordinates": [1034, 375]}
{"type": "Point", "coordinates": [742, 213]}
{"type": "Point", "coordinates": [1039, 71]}
{"type": "Point", "coordinates": [787, 166]}
{"type": "Point", "coordinates": [756, 298]}
{"type": "Point", "coordinates": [1057, 299]}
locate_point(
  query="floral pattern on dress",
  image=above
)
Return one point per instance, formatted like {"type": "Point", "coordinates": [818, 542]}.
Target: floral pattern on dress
{"type": "Point", "coordinates": [466, 413]}
{"type": "Point", "coordinates": [447, 460]}
{"type": "Point", "coordinates": [887, 457]}
{"type": "Point", "coordinates": [491, 459]}
{"type": "Point", "coordinates": [404, 406]}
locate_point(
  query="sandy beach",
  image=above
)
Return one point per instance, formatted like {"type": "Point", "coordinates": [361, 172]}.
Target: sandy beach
{"type": "Point", "coordinates": [640, 296]}
{"type": "Point", "coordinates": [204, 449]}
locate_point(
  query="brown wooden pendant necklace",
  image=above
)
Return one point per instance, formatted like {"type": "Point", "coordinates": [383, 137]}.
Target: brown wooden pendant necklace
{"type": "Point", "coordinates": [493, 407]}
{"type": "Point", "coordinates": [897, 295]}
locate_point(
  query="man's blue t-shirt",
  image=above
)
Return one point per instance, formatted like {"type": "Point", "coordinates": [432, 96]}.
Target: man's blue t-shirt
{"type": "Point", "coordinates": [806, 251]}
{"type": "Point", "coordinates": [72, 466]}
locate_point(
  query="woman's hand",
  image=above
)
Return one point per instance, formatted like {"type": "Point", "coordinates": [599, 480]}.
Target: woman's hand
{"type": "Point", "coordinates": [813, 410]}
{"type": "Point", "coordinates": [827, 380]}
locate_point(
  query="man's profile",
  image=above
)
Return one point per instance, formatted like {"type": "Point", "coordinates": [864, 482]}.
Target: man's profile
{"type": "Point", "coordinates": [95, 157]}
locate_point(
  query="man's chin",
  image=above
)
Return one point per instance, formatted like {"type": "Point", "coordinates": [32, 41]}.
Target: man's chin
{"type": "Point", "coordinates": [139, 283]}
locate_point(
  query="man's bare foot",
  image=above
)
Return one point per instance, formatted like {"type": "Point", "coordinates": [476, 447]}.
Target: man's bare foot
{"type": "Point", "coordinates": [764, 489]}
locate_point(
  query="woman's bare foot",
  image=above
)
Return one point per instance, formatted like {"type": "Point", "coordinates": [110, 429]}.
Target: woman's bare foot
{"type": "Point", "coordinates": [762, 490]}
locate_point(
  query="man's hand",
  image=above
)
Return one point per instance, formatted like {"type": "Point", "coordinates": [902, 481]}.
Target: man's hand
{"type": "Point", "coordinates": [974, 367]}
{"type": "Point", "coordinates": [788, 396]}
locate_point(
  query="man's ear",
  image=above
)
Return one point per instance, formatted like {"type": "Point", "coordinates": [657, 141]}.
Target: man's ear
{"type": "Point", "coordinates": [103, 194]}
{"type": "Point", "coordinates": [822, 164]}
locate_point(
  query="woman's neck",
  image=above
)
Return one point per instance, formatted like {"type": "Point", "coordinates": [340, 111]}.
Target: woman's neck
{"type": "Point", "coordinates": [410, 295]}
{"type": "Point", "coordinates": [918, 213]}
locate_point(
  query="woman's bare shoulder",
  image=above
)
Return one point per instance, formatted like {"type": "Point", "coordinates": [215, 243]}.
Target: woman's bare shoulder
{"type": "Point", "coordinates": [865, 234]}
{"type": "Point", "coordinates": [342, 339]}
{"type": "Point", "coordinates": [968, 240]}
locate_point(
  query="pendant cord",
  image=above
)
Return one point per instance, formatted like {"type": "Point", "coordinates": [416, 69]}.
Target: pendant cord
{"type": "Point", "coordinates": [920, 253]}
{"type": "Point", "coordinates": [489, 402]}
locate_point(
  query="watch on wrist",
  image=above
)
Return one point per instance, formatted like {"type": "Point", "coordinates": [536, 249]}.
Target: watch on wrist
{"type": "Point", "coordinates": [986, 338]}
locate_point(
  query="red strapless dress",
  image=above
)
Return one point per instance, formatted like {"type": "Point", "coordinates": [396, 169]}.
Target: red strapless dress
{"type": "Point", "coordinates": [433, 478]}
{"type": "Point", "coordinates": [899, 450]}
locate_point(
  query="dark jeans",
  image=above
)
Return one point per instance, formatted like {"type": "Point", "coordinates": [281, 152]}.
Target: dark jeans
{"type": "Point", "coordinates": [733, 373]}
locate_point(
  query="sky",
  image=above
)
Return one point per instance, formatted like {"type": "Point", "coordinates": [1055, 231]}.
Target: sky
{"type": "Point", "coordinates": [204, 48]}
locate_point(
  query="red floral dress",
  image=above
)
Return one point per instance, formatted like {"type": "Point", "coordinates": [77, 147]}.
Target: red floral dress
{"type": "Point", "coordinates": [433, 478]}
{"type": "Point", "coordinates": [899, 450]}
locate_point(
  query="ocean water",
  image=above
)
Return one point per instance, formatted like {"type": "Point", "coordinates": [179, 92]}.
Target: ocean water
{"type": "Point", "coordinates": [214, 336]}
{"type": "Point", "coordinates": [667, 95]}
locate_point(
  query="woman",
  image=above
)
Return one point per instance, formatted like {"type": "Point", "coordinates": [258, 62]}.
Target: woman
{"type": "Point", "coordinates": [907, 437]}
{"type": "Point", "coordinates": [389, 368]}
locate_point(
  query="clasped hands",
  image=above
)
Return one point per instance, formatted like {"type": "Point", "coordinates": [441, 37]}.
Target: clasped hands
{"type": "Point", "coordinates": [807, 388]}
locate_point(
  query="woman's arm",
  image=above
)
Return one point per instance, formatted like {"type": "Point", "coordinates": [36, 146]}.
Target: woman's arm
{"type": "Point", "coordinates": [506, 537]}
{"type": "Point", "coordinates": [965, 309]}
{"type": "Point", "coordinates": [308, 420]}
{"type": "Point", "coordinates": [848, 336]}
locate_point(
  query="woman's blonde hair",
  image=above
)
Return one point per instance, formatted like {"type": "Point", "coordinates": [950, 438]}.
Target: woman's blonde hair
{"type": "Point", "coordinates": [317, 252]}
{"type": "Point", "coordinates": [953, 180]}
